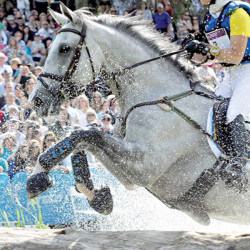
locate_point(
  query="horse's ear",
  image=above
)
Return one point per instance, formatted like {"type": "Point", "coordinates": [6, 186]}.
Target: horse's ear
{"type": "Point", "coordinates": [68, 13]}
{"type": "Point", "coordinates": [59, 18]}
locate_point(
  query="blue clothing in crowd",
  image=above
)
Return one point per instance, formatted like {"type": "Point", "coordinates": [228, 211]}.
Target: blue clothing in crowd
{"type": "Point", "coordinates": [4, 164]}
{"type": "Point", "coordinates": [161, 21]}
{"type": "Point", "coordinates": [6, 154]}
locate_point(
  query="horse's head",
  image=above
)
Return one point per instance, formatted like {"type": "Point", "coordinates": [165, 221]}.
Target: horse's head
{"type": "Point", "coordinates": [68, 65]}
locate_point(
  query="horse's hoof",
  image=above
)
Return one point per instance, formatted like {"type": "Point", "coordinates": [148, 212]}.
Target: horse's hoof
{"type": "Point", "coordinates": [37, 184]}
{"type": "Point", "coordinates": [102, 201]}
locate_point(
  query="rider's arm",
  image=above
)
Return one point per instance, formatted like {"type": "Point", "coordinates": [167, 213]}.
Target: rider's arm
{"type": "Point", "coordinates": [240, 32]}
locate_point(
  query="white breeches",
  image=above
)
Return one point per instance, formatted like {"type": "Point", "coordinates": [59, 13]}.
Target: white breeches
{"type": "Point", "coordinates": [236, 85]}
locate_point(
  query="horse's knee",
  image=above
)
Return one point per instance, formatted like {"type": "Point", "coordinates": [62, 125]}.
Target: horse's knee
{"type": "Point", "coordinates": [86, 135]}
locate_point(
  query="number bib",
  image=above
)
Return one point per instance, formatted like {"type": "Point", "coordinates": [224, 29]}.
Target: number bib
{"type": "Point", "coordinates": [219, 38]}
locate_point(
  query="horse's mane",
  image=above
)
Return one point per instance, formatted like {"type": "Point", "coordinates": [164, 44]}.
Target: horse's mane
{"type": "Point", "coordinates": [144, 31]}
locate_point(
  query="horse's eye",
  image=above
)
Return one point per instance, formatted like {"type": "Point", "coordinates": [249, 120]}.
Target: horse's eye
{"type": "Point", "coordinates": [64, 49]}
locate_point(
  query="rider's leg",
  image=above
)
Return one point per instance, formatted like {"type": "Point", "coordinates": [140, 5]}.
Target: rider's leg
{"type": "Point", "coordinates": [238, 136]}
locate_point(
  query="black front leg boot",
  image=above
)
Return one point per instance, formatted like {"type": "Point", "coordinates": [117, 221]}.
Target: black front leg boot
{"type": "Point", "coordinates": [102, 201]}
{"type": "Point", "coordinates": [38, 184]}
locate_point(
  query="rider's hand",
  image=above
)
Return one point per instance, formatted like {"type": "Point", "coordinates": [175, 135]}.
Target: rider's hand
{"type": "Point", "coordinates": [195, 46]}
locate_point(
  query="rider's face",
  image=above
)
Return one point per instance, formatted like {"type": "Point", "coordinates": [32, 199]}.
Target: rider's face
{"type": "Point", "coordinates": [206, 2]}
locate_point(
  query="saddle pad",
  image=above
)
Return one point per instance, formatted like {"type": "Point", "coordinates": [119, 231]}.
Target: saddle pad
{"type": "Point", "coordinates": [213, 145]}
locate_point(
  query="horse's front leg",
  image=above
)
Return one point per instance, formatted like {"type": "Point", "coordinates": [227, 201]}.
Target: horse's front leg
{"type": "Point", "coordinates": [99, 199]}
{"type": "Point", "coordinates": [40, 180]}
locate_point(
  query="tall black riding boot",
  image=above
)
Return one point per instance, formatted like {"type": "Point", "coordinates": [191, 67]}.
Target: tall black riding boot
{"type": "Point", "coordinates": [234, 174]}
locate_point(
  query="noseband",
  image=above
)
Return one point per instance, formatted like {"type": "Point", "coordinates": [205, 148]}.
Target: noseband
{"type": "Point", "coordinates": [68, 88]}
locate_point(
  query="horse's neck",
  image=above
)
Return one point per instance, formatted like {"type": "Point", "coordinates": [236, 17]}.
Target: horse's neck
{"type": "Point", "coordinates": [144, 83]}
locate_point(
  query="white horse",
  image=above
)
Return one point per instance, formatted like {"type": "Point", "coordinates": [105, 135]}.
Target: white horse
{"type": "Point", "coordinates": [160, 150]}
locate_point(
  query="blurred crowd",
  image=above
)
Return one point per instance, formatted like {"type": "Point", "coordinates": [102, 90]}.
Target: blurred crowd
{"type": "Point", "coordinates": [26, 32]}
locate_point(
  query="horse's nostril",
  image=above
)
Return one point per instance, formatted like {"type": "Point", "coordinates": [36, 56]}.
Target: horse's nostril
{"type": "Point", "coordinates": [38, 102]}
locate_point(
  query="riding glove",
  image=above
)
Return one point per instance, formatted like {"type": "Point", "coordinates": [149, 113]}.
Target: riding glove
{"type": "Point", "coordinates": [195, 46]}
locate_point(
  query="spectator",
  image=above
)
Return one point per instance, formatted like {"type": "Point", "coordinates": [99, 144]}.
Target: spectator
{"type": "Point", "coordinates": [25, 107]}
{"type": "Point", "coordinates": [52, 24]}
{"type": "Point", "coordinates": [15, 64]}
{"type": "Point", "coordinates": [28, 34]}
{"type": "Point", "coordinates": [49, 140]}
{"type": "Point", "coordinates": [7, 78]}
{"type": "Point", "coordinates": [162, 20]}
{"type": "Point", "coordinates": [18, 161]}
{"type": "Point", "coordinates": [195, 25]}
{"type": "Point", "coordinates": [97, 100]}
{"type": "Point", "coordinates": [106, 124]}
{"type": "Point", "coordinates": [103, 110]}
{"type": "Point", "coordinates": [25, 74]}
{"type": "Point", "coordinates": [10, 100]}
{"type": "Point", "coordinates": [122, 5]}
{"type": "Point", "coordinates": [82, 106]}
{"type": "Point", "coordinates": [105, 5]}
{"type": "Point", "coordinates": [13, 113]}
{"type": "Point", "coordinates": [9, 143]}
{"type": "Point", "coordinates": [113, 11]}
{"type": "Point", "coordinates": [20, 24]}
{"type": "Point", "coordinates": [7, 7]}
{"type": "Point", "coordinates": [30, 86]}
{"type": "Point", "coordinates": [13, 127]}
{"type": "Point", "coordinates": [32, 24]}
{"type": "Point", "coordinates": [33, 130]}
{"type": "Point", "coordinates": [34, 150]}
{"type": "Point", "coordinates": [12, 49]}
{"type": "Point", "coordinates": [2, 14]}
{"type": "Point", "coordinates": [45, 32]}
{"type": "Point", "coordinates": [184, 27]}
{"type": "Point", "coordinates": [19, 92]}
{"type": "Point", "coordinates": [3, 35]}
{"type": "Point", "coordinates": [38, 48]}
{"type": "Point", "coordinates": [25, 59]}
{"type": "Point", "coordinates": [168, 8]}
{"type": "Point", "coordinates": [17, 13]}
{"type": "Point", "coordinates": [61, 123]}
{"type": "Point", "coordinates": [3, 65]}
{"type": "Point", "coordinates": [92, 118]}
{"type": "Point", "coordinates": [73, 114]}
{"type": "Point", "coordinates": [114, 109]}
{"type": "Point", "coordinates": [20, 42]}
{"type": "Point", "coordinates": [28, 48]}
{"type": "Point", "coordinates": [144, 12]}
{"type": "Point", "coordinates": [12, 25]}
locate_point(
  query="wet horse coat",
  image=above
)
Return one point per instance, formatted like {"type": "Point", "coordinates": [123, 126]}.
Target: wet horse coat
{"type": "Point", "coordinates": [160, 151]}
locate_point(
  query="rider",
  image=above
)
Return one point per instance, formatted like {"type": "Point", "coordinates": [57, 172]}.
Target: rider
{"type": "Point", "coordinates": [227, 29]}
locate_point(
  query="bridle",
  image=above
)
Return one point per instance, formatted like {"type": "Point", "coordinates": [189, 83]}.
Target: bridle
{"type": "Point", "coordinates": [67, 87]}
{"type": "Point", "coordinates": [72, 89]}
